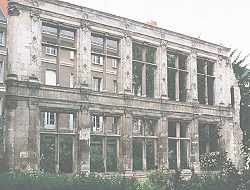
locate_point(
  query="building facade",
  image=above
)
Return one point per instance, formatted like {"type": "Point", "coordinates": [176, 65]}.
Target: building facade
{"type": "Point", "coordinates": [90, 91]}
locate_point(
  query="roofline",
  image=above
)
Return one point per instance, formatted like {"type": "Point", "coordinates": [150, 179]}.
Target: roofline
{"type": "Point", "coordinates": [63, 3]}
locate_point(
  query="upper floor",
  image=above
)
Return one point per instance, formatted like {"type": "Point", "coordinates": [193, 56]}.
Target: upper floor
{"type": "Point", "coordinates": [69, 46]}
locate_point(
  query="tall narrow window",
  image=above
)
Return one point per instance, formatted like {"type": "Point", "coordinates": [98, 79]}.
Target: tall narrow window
{"type": "Point", "coordinates": [178, 145]}
{"type": "Point", "coordinates": [71, 80]}
{"type": "Point", "coordinates": [115, 86]}
{"type": "Point", "coordinates": [208, 138]}
{"type": "Point", "coordinates": [177, 76]}
{"type": "Point", "coordinates": [97, 84]}
{"type": "Point", "coordinates": [205, 81]}
{"type": "Point", "coordinates": [144, 144]}
{"type": "Point", "coordinates": [104, 143]}
{"type": "Point", "coordinates": [144, 66]}
{"type": "Point", "coordinates": [57, 143]}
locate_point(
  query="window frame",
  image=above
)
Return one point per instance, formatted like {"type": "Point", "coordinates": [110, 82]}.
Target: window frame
{"type": "Point", "coordinates": [2, 38]}
{"type": "Point", "coordinates": [178, 140]}
{"type": "Point", "coordinates": [143, 138]}
{"type": "Point", "coordinates": [49, 52]}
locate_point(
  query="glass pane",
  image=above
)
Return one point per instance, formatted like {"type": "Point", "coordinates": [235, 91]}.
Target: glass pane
{"type": "Point", "coordinates": [68, 34]}
{"type": "Point", "coordinates": [210, 68]}
{"type": "Point", "coordinates": [49, 120]}
{"type": "Point", "coordinates": [48, 153]}
{"type": "Point", "coordinates": [201, 89]}
{"type": "Point", "coordinates": [97, 44]}
{"type": "Point", "coordinates": [213, 134]}
{"type": "Point", "coordinates": [182, 62]}
{"type": "Point", "coordinates": [150, 69]}
{"type": "Point", "coordinates": [137, 52]}
{"type": "Point", "coordinates": [150, 155]}
{"type": "Point", "coordinates": [96, 155]}
{"type": "Point", "coordinates": [111, 125]}
{"type": "Point", "coordinates": [150, 54]}
{"type": "Point", "coordinates": [210, 90]}
{"type": "Point", "coordinates": [137, 79]}
{"type": "Point", "coordinates": [138, 127]}
{"type": "Point", "coordinates": [111, 155]}
{"type": "Point", "coordinates": [112, 47]}
{"type": "Point", "coordinates": [150, 127]}
{"type": "Point", "coordinates": [184, 153]}
{"type": "Point", "coordinates": [172, 154]}
{"type": "Point", "coordinates": [137, 155]}
{"type": "Point", "coordinates": [171, 59]}
{"type": "Point", "coordinates": [97, 124]}
{"type": "Point", "coordinates": [171, 84]}
{"type": "Point", "coordinates": [184, 130]}
{"type": "Point", "coordinates": [49, 29]}
{"type": "Point", "coordinates": [201, 66]}
{"type": "Point", "coordinates": [182, 86]}
{"type": "Point", "coordinates": [172, 129]}
{"type": "Point", "coordinates": [66, 154]}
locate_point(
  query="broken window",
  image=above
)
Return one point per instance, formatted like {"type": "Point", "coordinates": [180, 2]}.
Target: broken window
{"type": "Point", "coordinates": [104, 143]}
{"type": "Point", "coordinates": [178, 145]}
{"type": "Point", "coordinates": [57, 143]}
{"type": "Point", "coordinates": [208, 138]}
{"type": "Point", "coordinates": [205, 81]}
{"type": "Point", "coordinates": [143, 70]}
{"type": "Point", "coordinates": [144, 144]}
{"type": "Point", "coordinates": [177, 76]}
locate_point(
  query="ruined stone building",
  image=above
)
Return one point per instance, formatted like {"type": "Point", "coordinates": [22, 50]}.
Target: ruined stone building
{"type": "Point", "coordinates": [85, 90]}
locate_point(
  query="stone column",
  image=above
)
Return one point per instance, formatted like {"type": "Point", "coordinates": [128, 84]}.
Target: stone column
{"type": "Point", "coordinates": [192, 91]}
{"type": "Point", "coordinates": [24, 42]}
{"type": "Point", "coordinates": [163, 69]}
{"type": "Point", "coordinates": [126, 142]}
{"type": "Point", "coordinates": [126, 64]}
{"type": "Point", "coordinates": [84, 56]}
{"type": "Point", "coordinates": [194, 152]}
{"type": "Point", "coordinates": [163, 142]}
{"type": "Point", "coordinates": [84, 139]}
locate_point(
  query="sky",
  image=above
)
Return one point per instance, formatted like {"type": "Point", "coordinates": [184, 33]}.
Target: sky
{"type": "Point", "coordinates": [225, 22]}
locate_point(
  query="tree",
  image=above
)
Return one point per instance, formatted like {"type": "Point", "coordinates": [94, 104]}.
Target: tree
{"type": "Point", "coordinates": [242, 74]}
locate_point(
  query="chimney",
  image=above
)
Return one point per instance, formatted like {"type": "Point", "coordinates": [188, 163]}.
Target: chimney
{"type": "Point", "coordinates": [4, 7]}
{"type": "Point", "coordinates": [152, 23]}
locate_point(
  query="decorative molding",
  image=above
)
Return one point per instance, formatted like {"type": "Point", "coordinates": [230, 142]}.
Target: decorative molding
{"type": "Point", "coordinates": [13, 10]}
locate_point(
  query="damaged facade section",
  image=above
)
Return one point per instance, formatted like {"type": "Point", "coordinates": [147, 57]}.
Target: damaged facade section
{"type": "Point", "coordinates": [93, 92]}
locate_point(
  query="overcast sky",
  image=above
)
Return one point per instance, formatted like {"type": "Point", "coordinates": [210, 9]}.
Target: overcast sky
{"type": "Point", "coordinates": [225, 22]}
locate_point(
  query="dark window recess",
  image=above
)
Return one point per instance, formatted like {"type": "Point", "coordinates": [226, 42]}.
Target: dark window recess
{"type": "Point", "coordinates": [210, 90]}
{"type": "Point", "coordinates": [172, 153]}
{"type": "Point", "coordinates": [111, 162]}
{"type": "Point", "coordinates": [182, 62]}
{"type": "Point", "coordinates": [201, 66]}
{"type": "Point", "coordinates": [201, 89]}
{"type": "Point", "coordinates": [172, 129]}
{"type": "Point", "coordinates": [96, 155]}
{"type": "Point", "coordinates": [66, 154]}
{"type": "Point", "coordinates": [137, 52]}
{"type": "Point", "coordinates": [137, 155]}
{"type": "Point", "coordinates": [97, 44]}
{"type": "Point", "coordinates": [171, 84]}
{"type": "Point", "coordinates": [48, 153]}
{"type": "Point", "coordinates": [171, 59]}
{"type": "Point", "coordinates": [150, 155]}
{"type": "Point", "coordinates": [137, 78]}
{"type": "Point", "coordinates": [182, 86]}
{"type": "Point", "coordinates": [150, 69]}
{"type": "Point", "coordinates": [210, 68]}
{"type": "Point", "coordinates": [232, 96]}
{"type": "Point", "coordinates": [150, 55]}
{"type": "Point", "coordinates": [112, 47]}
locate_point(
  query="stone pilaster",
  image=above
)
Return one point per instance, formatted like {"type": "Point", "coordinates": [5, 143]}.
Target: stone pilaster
{"type": "Point", "coordinates": [24, 42]}
{"type": "Point", "coordinates": [126, 64]}
{"type": "Point", "coordinates": [84, 139]}
{"type": "Point", "coordinates": [84, 56]}
{"type": "Point", "coordinates": [162, 69]}
{"type": "Point", "coordinates": [126, 142]}
{"type": "Point", "coordinates": [194, 152]}
{"type": "Point", "coordinates": [163, 142]}
{"type": "Point", "coordinates": [192, 91]}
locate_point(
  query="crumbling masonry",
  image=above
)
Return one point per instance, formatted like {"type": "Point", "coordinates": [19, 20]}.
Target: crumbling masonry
{"type": "Point", "coordinates": [84, 90]}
